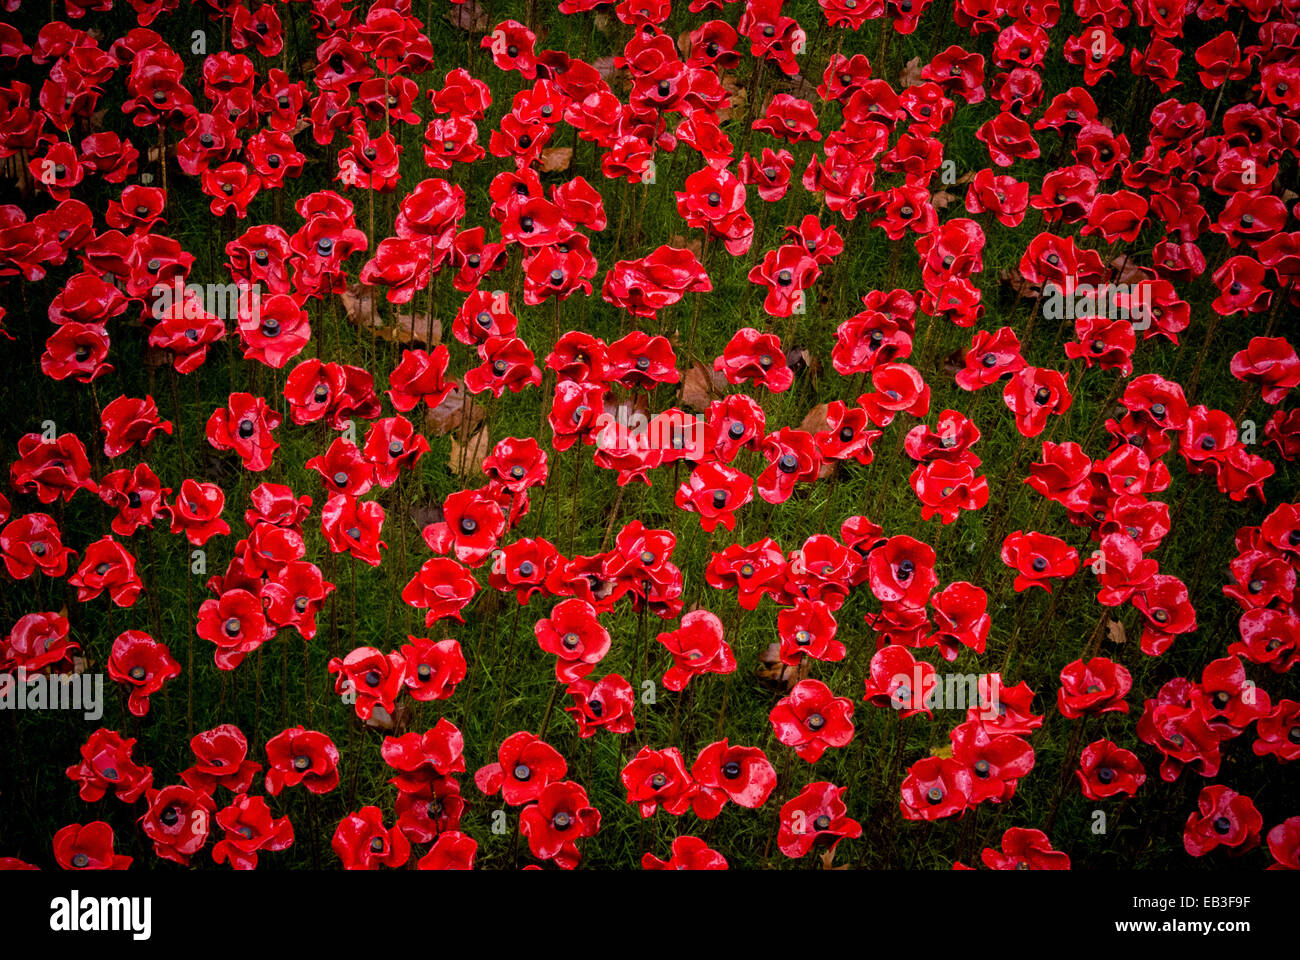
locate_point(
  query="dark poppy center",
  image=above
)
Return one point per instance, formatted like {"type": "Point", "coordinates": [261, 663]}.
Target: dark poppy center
{"type": "Point", "coordinates": [823, 822]}
{"type": "Point", "coordinates": [1222, 825]}
{"type": "Point", "coordinates": [301, 762]}
{"type": "Point", "coordinates": [658, 781]}
{"type": "Point", "coordinates": [815, 721]}
{"type": "Point", "coordinates": [1105, 774]}
{"type": "Point", "coordinates": [719, 499]}
{"type": "Point", "coordinates": [137, 673]}
{"type": "Point", "coordinates": [788, 463]}
{"type": "Point", "coordinates": [934, 794]}
{"type": "Point", "coordinates": [170, 816]}
{"type": "Point", "coordinates": [395, 448]}
{"type": "Point", "coordinates": [526, 568]}
{"type": "Point", "coordinates": [80, 860]}
{"type": "Point", "coordinates": [981, 768]}
{"type": "Point", "coordinates": [736, 430]}
{"type": "Point", "coordinates": [522, 772]}
{"type": "Point", "coordinates": [468, 524]}
{"type": "Point", "coordinates": [232, 627]}
{"type": "Point", "coordinates": [372, 678]}
{"type": "Point", "coordinates": [377, 845]}
{"type": "Point", "coordinates": [561, 821]}
{"type": "Point", "coordinates": [731, 769]}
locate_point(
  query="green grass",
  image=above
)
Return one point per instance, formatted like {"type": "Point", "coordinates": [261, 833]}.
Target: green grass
{"type": "Point", "coordinates": [510, 680]}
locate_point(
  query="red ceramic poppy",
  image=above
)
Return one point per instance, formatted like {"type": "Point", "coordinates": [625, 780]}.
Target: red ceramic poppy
{"type": "Point", "coordinates": [354, 526]}
{"type": "Point", "coordinates": [561, 816]}
{"type": "Point", "coordinates": [1037, 558]}
{"type": "Point", "coordinates": [688, 853]}
{"type": "Point", "coordinates": [697, 647]}
{"type": "Point", "coordinates": [442, 588]}
{"type": "Point", "coordinates": [88, 847]}
{"type": "Point", "coordinates": [935, 788]}
{"type": "Point", "coordinates": [575, 636]}
{"type": "Point", "coordinates": [451, 850]}
{"type": "Point", "coordinates": [811, 718]}
{"type": "Point", "coordinates": [51, 468]}
{"type": "Point", "coordinates": [1106, 770]}
{"type": "Point", "coordinates": [1093, 687]}
{"type": "Point", "coordinates": [33, 542]}
{"type": "Point", "coordinates": [362, 841]}
{"type": "Point", "coordinates": [369, 679]}
{"type": "Point", "coordinates": [525, 766]}
{"type": "Point", "coordinates": [1222, 817]}
{"type": "Point", "coordinates": [128, 421]}
{"type": "Point", "coordinates": [248, 828]}
{"type": "Point", "coordinates": [604, 704]}
{"type": "Point", "coordinates": [245, 426]}
{"type": "Point", "coordinates": [106, 764]}
{"type": "Point", "coordinates": [144, 665]}
{"type": "Point", "coordinates": [816, 817]}
{"type": "Point", "coordinates": [107, 566]}
{"type": "Point", "coordinates": [178, 821]}
{"type": "Point", "coordinates": [222, 761]}
{"type": "Point", "coordinates": [715, 491]}
{"type": "Point", "coordinates": [300, 756]}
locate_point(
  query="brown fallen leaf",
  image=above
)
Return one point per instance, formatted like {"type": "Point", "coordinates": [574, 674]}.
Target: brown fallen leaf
{"type": "Point", "coordinates": [467, 461]}
{"type": "Point", "coordinates": [615, 76]}
{"type": "Point", "coordinates": [828, 858]}
{"type": "Point", "coordinates": [423, 514]}
{"type": "Point", "coordinates": [414, 330]}
{"type": "Point", "coordinates": [774, 673]}
{"type": "Point", "coordinates": [701, 386]}
{"type": "Point", "coordinates": [396, 723]}
{"type": "Point", "coordinates": [452, 413]}
{"type": "Point", "coordinates": [155, 357]}
{"type": "Point", "coordinates": [695, 244]}
{"type": "Point", "coordinates": [469, 16]}
{"type": "Point", "coordinates": [815, 420]}
{"type": "Point", "coordinates": [361, 305]}
{"type": "Point", "coordinates": [911, 73]}
{"type": "Point", "coordinates": [1115, 632]}
{"type": "Point", "coordinates": [1129, 271]}
{"type": "Point", "coordinates": [955, 362]}
{"type": "Point", "coordinates": [1017, 282]}
{"type": "Point", "coordinates": [737, 98]}
{"type": "Point", "coordinates": [798, 85]}
{"type": "Point", "coordinates": [943, 200]}
{"type": "Point", "coordinates": [556, 159]}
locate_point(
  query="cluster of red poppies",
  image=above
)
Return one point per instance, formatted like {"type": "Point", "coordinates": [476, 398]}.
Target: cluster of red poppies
{"type": "Point", "coordinates": [233, 137]}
